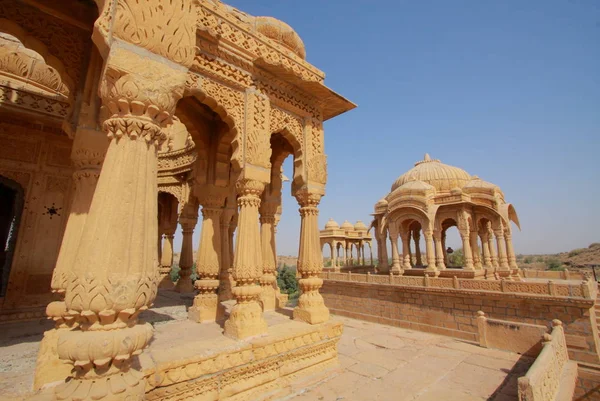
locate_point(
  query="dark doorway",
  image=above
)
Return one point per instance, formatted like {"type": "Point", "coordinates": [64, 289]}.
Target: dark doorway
{"type": "Point", "coordinates": [11, 206]}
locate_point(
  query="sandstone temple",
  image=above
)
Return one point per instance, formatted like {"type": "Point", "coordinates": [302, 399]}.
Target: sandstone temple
{"type": "Point", "coordinates": [125, 121]}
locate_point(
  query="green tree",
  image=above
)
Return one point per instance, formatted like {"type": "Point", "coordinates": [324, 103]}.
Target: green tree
{"type": "Point", "coordinates": [456, 258]}
{"type": "Point", "coordinates": [286, 280]}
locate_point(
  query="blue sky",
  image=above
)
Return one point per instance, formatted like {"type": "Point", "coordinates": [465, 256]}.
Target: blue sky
{"type": "Point", "coordinates": [507, 90]}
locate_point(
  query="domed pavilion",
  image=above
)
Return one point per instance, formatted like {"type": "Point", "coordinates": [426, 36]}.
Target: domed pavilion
{"type": "Point", "coordinates": [347, 243]}
{"type": "Point", "coordinates": [429, 199]}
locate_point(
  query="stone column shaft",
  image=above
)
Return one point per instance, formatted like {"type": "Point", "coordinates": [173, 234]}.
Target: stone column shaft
{"type": "Point", "coordinates": [417, 238]}
{"type": "Point", "coordinates": [468, 255]}
{"type": "Point", "coordinates": [246, 317]}
{"type": "Point", "coordinates": [512, 258]}
{"type": "Point", "coordinates": [267, 280]}
{"type": "Point", "coordinates": [406, 262]}
{"type": "Point", "coordinates": [206, 306]}
{"type": "Point", "coordinates": [186, 258]}
{"type": "Point", "coordinates": [311, 307]}
{"type": "Point", "coordinates": [475, 249]}
{"type": "Point", "coordinates": [225, 279]}
{"type": "Point", "coordinates": [429, 248]}
{"type": "Point", "coordinates": [439, 251]}
{"type": "Point", "coordinates": [492, 248]}
{"type": "Point", "coordinates": [485, 245]}
{"type": "Point", "coordinates": [397, 267]}
{"type": "Point", "coordinates": [502, 256]}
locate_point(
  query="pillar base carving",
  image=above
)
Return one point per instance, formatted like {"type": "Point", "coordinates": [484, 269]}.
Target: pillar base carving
{"type": "Point", "coordinates": [267, 294]}
{"type": "Point", "coordinates": [206, 307]}
{"type": "Point", "coordinates": [184, 284]}
{"type": "Point", "coordinates": [49, 367]}
{"type": "Point", "coordinates": [245, 319]}
{"type": "Point", "coordinates": [311, 307]}
{"type": "Point", "coordinates": [164, 279]}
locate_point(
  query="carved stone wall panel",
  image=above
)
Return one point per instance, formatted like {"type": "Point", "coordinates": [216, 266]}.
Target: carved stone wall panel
{"type": "Point", "coordinates": [258, 135]}
{"type": "Point", "coordinates": [21, 149]}
{"type": "Point", "coordinates": [59, 156]}
{"type": "Point", "coordinates": [45, 176]}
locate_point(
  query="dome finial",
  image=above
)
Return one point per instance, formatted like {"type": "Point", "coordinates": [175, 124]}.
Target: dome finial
{"type": "Point", "coordinates": [427, 158]}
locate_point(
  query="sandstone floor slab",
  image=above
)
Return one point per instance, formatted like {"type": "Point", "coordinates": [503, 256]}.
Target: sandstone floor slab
{"type": "Point", "coordinates": [377, 362]}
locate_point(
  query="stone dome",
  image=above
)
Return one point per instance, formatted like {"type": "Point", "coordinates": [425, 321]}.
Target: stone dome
{"type": "Point", "coordinates": [281, 33]}
{"type": "Point", "coordinates": [331, 225]}
{"type": "Point", "coordinates": [435, 173]}
{"type": "Point", "coordinates": [359, 226]}
{"type": "Point", "coordinates": [346, 225]}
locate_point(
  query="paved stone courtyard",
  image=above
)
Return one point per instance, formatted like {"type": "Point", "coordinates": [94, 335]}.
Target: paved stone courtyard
{"type": "Point", "coordinates": [377, 362]}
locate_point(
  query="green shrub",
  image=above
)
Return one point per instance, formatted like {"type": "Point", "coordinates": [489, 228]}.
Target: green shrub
{"type": "Point", "coordinates": [554, 264]}
{"type": "Point", "coordinates": [576, 252]}
{"type": "Point", "coordinates": [456, 258]}
{"type": "Point", "coordinates": [528, 260]}
{"type": "Point", "coordinates": [539, 259]}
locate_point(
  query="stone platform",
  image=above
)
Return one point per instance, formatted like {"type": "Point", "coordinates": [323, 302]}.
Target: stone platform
{"type": "Point", "coordinates": [196, 361]}
{"type": "Point", "coordinates": [376, 362]}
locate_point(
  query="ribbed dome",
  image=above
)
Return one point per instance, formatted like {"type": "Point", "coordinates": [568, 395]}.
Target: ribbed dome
{"type": "Point", "coordinates": [347, 225]}
{"type": "Point", "coordinates": [433, 172]}
{"type": "Point", "coordinates": [360, 226]}
{"type": "Point", "coordinates": [282, 33]}
{"type": "Point", "coordinates": [331, 225]}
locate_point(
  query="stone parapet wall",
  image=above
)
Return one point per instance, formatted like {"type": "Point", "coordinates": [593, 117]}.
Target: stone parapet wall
{"type": "Point", "coordinates": [553, 275]}
{"type": "Point", "coordinates": [584, 289]}
{"type": "Point", "coordinates": [522, 338]}
{"type": "Point", "coordinates": [453, 311]}
{"type": "Point", "coordinates": [552, 376]}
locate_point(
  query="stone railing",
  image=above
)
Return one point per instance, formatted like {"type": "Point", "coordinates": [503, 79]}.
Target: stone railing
{"type": "Point", "coordinates": [552, 275]}
{"type": "Point", "coordinates": [552, 376]}
{"type": "Point", "coordinates": [522, 338]}
{"type": "Point", "coordinates": [587, 289]}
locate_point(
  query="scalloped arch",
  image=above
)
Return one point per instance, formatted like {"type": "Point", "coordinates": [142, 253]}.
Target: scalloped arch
{"type": "Point", "coordinates": [31, 43]}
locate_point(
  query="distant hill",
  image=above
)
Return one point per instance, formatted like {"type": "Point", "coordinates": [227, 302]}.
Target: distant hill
{"type": "Point", "coordinates": [577, 258]}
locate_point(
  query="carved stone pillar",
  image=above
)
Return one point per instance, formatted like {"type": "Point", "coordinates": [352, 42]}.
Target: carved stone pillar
{"type": "Point", "coordinates": [444, 247]}
{"type": "Point", "coordinates": [246, 317]}
{"type": "Point", "coordinates": [383, 255]}
{"type": "Point", "coordinates": [431, 269]}
{"type": "Point", "coordinates": [512, 258]}
{"type": "Point", "coordinates": [87, 162]}
{"type": "Point", "coordinates": [502, 256]}
{"type": "Point", "coordinates": [371, 254]}
{"type": "Point", "coordinates": [397, 267]}
{"type": "Point", "coordinates": [475, 249]}
{"type": "Point", "coordinates": [487, 260]}
{"type": "Point", "coordinates": [188, 221]}
{"type": "Point", "coordinates": [439, 250]}
{"type": "Point", "coordinates": [406, 262]}
{"type": "Point", "coordinates": [282, 299]}
{"type": "Point", "coordinates": [416, 234]}
{"type": "Point", "coordinates": [206, 306]}
{"type": "Point", "coordinates": [166, 259]}
{"type": "Point", "coordinates": [333, 255]}
{"type": "Point", "coordinates": [492, 248]}
{"type": "Point", "coordinates": [225, 284]}
{"type": "Point", "coordinates": [311, 308]}
{"type": "Point", "coordinates": [468, 255]}
{"type": "Point", "coordinates": [267, 235]}
{"type": "Point", "coordinates": [115, 272]}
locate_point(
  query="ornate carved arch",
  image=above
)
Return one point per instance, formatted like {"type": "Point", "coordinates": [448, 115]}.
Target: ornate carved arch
{"type": "Point", "coordinates": [291, 128]}
{"type": "Point", "coordinates": [228, 103]}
